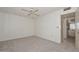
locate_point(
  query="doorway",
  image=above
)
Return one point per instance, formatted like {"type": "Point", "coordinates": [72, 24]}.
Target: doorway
{"type": "Point", "coordinates": [68, 29]}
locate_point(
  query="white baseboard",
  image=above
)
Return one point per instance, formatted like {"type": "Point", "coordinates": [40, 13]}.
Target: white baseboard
{"type": "Point", "coordinates": [16, 38]}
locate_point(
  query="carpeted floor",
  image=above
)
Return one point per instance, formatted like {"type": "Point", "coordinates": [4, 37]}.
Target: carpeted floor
{"type": "Point", "coordinates": [35, 44]}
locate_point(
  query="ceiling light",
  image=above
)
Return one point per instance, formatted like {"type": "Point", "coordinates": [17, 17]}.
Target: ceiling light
{"type": "Point", "coordinates": [31, 12]}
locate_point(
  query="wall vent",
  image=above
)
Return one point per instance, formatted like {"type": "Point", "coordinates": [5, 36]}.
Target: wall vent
{"type": "Point", "coordinates": [68, 8]}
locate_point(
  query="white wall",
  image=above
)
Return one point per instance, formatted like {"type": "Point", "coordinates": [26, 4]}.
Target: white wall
{"type": "Point", "coordinates": [16, 26]}
{"type": "Point", "coordinates": [48, 27]}
{"type": "Point", "coordinates": [1, 25]}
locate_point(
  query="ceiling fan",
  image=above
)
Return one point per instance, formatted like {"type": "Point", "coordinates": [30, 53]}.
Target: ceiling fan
{"type": "Point", "coordinates": [32, 12]}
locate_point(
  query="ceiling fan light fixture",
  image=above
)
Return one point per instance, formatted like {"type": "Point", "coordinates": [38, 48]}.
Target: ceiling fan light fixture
{"type": "Point", "coordinates": [31, 12]}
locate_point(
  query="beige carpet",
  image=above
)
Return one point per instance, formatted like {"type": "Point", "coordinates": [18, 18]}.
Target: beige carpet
{"type": "Point", "coordinates": [35, 44]}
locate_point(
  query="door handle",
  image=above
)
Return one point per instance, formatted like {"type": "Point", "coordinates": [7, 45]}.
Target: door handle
{"type": "Point", "coordinates": [57, 26]}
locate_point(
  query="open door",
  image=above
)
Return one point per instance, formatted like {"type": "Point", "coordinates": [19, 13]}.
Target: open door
{"type": "Point", "coordinates": [77, 28]}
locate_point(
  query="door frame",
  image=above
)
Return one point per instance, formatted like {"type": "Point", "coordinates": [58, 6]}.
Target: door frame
{"type": "Point", "coordinates": [62, 20]}
{"type": "Point", "coordinates": [62, 28]}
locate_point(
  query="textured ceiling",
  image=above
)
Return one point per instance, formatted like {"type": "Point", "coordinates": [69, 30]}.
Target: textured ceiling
{"type": "Point", "coordinates": [18, 10]}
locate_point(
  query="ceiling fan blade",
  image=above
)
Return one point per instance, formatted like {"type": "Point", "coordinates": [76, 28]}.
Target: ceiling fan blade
{"type": "Point", "coordinates": [37, 14]}
{"type": "Point", "coordinates": [36, 10]}
{"type": "Point", "coordinates": [33, 12]}
{"type": "Point", "coordinates": [29, 14]}
{"type": "Point", "coordinates": [24, 10]}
